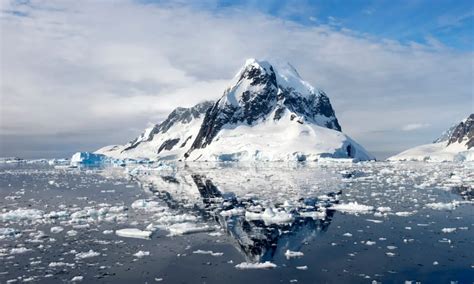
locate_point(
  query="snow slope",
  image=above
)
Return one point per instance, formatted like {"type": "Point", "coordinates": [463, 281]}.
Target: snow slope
{"type": "Point", "coordinates": [456, 144]}
{"type": "Point", "coordinates": [268, 113]}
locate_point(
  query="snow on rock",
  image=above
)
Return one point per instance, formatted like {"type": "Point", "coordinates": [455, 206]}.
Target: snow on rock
{"type": "Point", "coordinates": [133, 233]}
{"type": "Point", "coordinates": [352, 207]}
{"type": "Point", "coordinates": [260, 265]}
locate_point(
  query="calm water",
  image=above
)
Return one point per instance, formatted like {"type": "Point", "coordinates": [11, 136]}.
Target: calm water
{"type": "Point", "coordinates": [343, 222]}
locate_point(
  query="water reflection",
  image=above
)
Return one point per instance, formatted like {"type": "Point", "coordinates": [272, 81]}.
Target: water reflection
{"type": "Point", "coordinates": [259, 239]}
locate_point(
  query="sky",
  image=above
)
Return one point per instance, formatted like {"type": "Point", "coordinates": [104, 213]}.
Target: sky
{"type": "Point", "coordinates": [78, 75]}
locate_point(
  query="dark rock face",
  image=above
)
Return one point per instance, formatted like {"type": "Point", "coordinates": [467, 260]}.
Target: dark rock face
{"type": "Point", "coordinates": [464, 131]}
{"type": "Point", "coordinates": [255, 104]}
{"type": "Point", "coordinates": [180, 114]}
{"type": "Point", "coordinates": [168, 145]}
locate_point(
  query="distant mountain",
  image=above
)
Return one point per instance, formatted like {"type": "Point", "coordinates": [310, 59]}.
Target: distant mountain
{"type": "Point", "coordinates": [455, 144]}
{"type": "Point", "coordinates": [268, 113]}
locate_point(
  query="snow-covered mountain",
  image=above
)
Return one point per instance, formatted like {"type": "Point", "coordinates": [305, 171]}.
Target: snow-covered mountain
{"type": "Point", "coordinates": [167, 140]}
{"type": "Point", "coordinates": [268, 113]}
{"type": "Point", "coordinates": [455, 144]}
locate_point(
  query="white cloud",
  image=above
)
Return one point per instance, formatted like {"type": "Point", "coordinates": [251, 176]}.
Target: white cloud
{"type": "Point", "coordinates": [415, 126]}
{"type": "Point", "coordinates": [98, 66]}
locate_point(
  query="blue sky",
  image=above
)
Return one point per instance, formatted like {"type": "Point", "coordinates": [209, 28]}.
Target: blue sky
{"type": "Point", "coordinates": [78, 75]}
{"type": "Point", "coordinates": [449, 22]}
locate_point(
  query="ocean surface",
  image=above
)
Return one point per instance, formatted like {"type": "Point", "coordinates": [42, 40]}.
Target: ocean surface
{"type": "Point", "coordinates": [224, 223]}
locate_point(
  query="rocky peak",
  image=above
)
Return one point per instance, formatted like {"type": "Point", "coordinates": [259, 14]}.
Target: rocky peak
{"type": "Point", "coordinates": [464, 133]}
{"type": "Point", "coordinates": [260, 89]}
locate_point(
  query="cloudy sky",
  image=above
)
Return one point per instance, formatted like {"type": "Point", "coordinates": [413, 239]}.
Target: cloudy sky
{"type": "Point", "coordinates": [78, 75]}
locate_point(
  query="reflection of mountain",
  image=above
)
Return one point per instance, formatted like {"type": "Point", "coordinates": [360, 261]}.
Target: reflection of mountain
{"type": "Point", "coordinates": [466, 192]}
{"type": "Point", "coordinates": [260, 231]}
{"type": "Point", "coordinates": [258, 240]}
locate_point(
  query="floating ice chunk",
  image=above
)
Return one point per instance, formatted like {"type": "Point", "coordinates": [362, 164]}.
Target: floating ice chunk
{"type": "Point", "coordinates": [61, 264]}
{"type": "Point", "coordinates": [187, 228]}
{"type": "Point", "coordinates": [107, 232]}
{"type": "Point", "coordinates": [8, 232]}
{"type": "Point", "coordinates": [448, 230]}
{"type": "Point", "coordinates": [391, 247]}
{"type": "Point", "coordinates": [259, 265]}
{"type": "Point", "coordinates": [71, 233]}
{"type": "Point", "coordinates": [133, 233]}
{"type": "Point", "coordinates": [384, 209]}
{"type": "Point", "coordinates": [56, 229]}
{"type": "Point", "coordinates": [20, 250]}
{"type": "Point", "coordinates": [210, 252]}
{"type": "Point", "coordinates": [233, 212]}
{"type": "Point", "coordinates": [142, 253]}
{"type": "Point", "coordinates": [443, 206]}
{"type": "Point", "coordinates": [87, 254]}
{"type": "Point", "coordinates": [435, 263]}
{"type": "Point", "coordinates": [391, 254]}
{"type": "Point", "coordinates": [347, 235]}
{"type": "Point", "coordinates": [87, 158]}
{"type": "Point", "coordinates": [290, 254]}
{"type": "Point", "coordinates": [370, 243]}
{"type": "Point", "coordinates": [404, 213]}
{"type": "Point", "coordinates": [374, 221]}
{"type": "Point", "coordinates": [352, 207]}
{"type": "Point", "coordinates": [77, 278]}
{"type": "Point", "coordinates": [147, 205]}
{"type": "Point", "coordinates": [316, 215]}
{"type": "Point", "coordinates": [304, 267]}
{"type": "Point", "coordinates": [22, 214]}
{"type": "Point", "coordinates": [270, 216]}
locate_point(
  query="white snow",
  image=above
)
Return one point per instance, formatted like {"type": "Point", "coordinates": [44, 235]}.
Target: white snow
{"type": "Point", "coordinates": [262, 265]}
{"type": "Point", "coordinates": [133, 233]}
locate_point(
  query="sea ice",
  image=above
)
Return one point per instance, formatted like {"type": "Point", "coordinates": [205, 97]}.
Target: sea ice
{"type": "Point", "coordinates": [260, 265]}
{"type": "Point", "coordinates": [290, 254]}
{"type": "Point", "coordinates": [133, 233]}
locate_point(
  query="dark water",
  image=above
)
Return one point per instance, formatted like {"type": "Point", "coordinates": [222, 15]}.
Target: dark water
{"type": "Point", "coordinates": [406, 243]}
